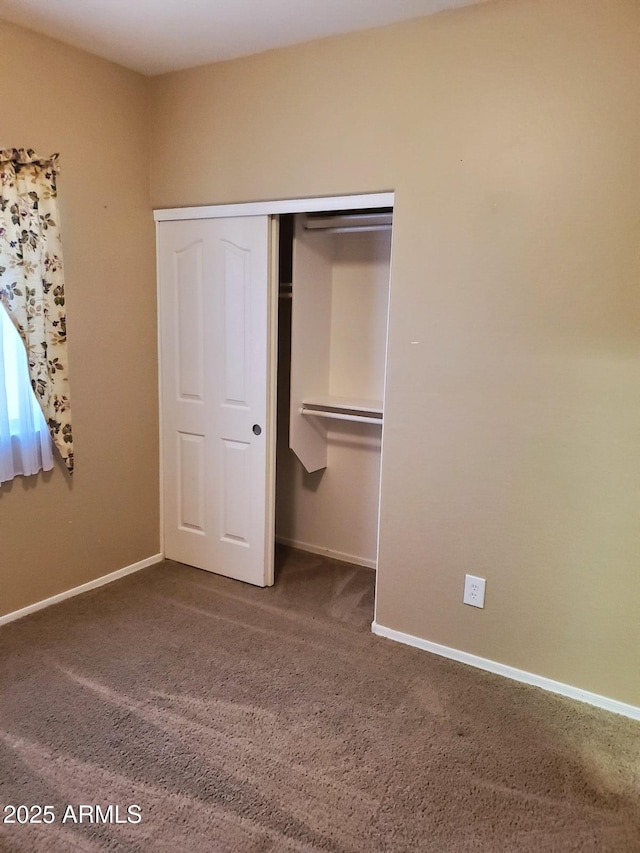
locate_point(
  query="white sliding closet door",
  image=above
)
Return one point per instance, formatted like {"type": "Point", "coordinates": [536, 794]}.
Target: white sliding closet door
{"type": "Point", "coordinates": [214, 371]}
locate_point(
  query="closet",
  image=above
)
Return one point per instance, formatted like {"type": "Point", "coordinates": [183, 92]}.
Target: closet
{"type": "Point", "coordinates": [332, 350]}
{"type": "Point", "coordinates": [272, 342]}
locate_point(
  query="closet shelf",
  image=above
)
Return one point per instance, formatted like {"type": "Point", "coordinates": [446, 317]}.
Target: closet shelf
{"type": "Point", "coordinates": [338, 223]}
{"type": "Point", "coordinates": [343, 409]}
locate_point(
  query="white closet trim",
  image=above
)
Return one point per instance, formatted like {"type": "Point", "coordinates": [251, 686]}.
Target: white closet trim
{"type": "Point", "coordinates": [262, 208]}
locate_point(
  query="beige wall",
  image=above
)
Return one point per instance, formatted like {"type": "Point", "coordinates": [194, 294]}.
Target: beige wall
{"type": "Point", "coordinates": [55, 533]}
{"type": "Point", "coordinates": [510, 133]}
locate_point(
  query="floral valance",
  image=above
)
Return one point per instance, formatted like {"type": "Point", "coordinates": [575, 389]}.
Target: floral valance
{"type": "Point", "coordinates": [25, 156]}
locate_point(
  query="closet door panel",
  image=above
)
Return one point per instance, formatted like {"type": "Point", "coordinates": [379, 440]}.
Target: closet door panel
{"type": "Point", "coordinates": [188, 296]}
{"type": "Point", "coordinates": [214, 366]}
{"type": "Point", "coordinates": [191, 487]}
{"type": "Point", "coordinates": [237, 492]}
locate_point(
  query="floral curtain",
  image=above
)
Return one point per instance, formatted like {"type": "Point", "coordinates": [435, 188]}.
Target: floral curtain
{"type": "Point", "coordinates": [32, 283]}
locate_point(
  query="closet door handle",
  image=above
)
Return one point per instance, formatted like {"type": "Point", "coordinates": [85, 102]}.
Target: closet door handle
{"type": "Point", "coordinates": [257, 429]}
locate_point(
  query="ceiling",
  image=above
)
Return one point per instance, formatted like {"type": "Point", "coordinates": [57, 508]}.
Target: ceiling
{"type": "Point", "coordinates": [154, 36]}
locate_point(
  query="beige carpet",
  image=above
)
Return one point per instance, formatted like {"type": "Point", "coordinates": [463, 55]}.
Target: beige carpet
{"type": "Point", "coordinates": [241, 719]}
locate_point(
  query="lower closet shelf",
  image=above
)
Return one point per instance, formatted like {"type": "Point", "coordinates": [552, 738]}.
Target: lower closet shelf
{"type": "Point", "coordinates": [343, 409]}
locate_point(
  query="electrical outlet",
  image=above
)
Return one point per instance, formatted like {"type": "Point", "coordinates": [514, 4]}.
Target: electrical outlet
{"type": "Point", "coordinates": [474, 590]}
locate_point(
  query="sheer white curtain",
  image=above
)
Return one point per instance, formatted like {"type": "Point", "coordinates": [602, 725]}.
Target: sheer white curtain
{"type": "Point", "coordinates": [25, 441]}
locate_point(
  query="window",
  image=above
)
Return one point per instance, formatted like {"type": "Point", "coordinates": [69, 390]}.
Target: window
{"type": "Point", "coordinates": [25, 442]}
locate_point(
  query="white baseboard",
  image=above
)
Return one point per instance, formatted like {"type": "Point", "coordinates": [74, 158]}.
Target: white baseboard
{"type": "Point", "coordinates": [78, 590]}
{"type": "Point", "coordinates": [510, 672]}
{"type": "Point", "coordinates": [327, 552]}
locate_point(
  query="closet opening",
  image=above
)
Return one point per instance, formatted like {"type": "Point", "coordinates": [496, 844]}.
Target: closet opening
{"type": "Point", "coordinates": [333, 298]}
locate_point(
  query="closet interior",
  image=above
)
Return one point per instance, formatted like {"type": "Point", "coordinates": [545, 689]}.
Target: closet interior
{"type": "Point", "coordinates": [332, 333]}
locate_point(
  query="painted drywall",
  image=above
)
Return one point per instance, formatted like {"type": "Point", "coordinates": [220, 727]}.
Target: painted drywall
{"type": "Point", "coordinates": [359, 309]}
{"type": "Point", "coordinates": [335, 510]}
{"type": "Point", "coordinates": [510, 133]}
{"type": "Point", "coordinates": [55, 532]}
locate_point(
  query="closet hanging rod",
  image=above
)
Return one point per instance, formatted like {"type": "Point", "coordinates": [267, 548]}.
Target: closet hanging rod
{"type": "Point", "coordinates": [340, 222]}
{"type": "Point", "coordinates": [341, 416]}
{"type": "Point", "coordinates": [351, 229]}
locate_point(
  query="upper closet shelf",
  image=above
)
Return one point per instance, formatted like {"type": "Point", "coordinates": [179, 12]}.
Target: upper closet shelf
{"type": "Point", "coordinates": [343, 409]}
{"type": "Point", "coordinates": [337, 223]}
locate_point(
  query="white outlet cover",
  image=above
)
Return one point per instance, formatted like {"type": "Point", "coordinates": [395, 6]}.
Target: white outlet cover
{"type": "Point", "coordinates": [474, 590]}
